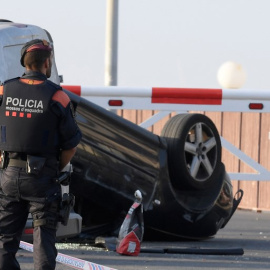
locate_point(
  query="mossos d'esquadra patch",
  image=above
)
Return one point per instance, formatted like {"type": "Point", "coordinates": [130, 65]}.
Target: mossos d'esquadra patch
{"type": "Point", "coordinates": [22, 106]}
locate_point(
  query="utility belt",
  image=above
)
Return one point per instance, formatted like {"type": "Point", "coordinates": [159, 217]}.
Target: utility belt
{"type": "Point", "coordinates": [32, 165]}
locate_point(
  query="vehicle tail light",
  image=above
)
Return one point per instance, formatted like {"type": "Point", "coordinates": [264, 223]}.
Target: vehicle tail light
{"type": "Point", "coordinates": [255, 106]}
{"type": "Point", "coordinates": [116, 102]}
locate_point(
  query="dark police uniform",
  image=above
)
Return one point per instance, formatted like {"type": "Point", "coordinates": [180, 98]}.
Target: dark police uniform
{"type": "Point", "coordinates": [36, 120]}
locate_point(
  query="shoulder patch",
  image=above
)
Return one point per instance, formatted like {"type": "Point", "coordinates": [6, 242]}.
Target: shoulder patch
{"type": "Point", "coordinates": [61, 97]}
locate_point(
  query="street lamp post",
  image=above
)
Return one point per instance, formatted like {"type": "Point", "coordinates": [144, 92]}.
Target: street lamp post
{"type": "Point", "coordinates": [111, 43]}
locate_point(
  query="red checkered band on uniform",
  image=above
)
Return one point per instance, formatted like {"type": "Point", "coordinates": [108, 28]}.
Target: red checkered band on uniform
{"type": "Point", "coordinates": [44, 46]}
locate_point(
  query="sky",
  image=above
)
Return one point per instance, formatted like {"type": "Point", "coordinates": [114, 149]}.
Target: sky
{"type": "Point", "coordinates": [161, 43]}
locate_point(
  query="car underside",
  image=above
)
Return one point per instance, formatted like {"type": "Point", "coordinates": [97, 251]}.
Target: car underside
{"type": "Point", "coordinates": [186, 190]}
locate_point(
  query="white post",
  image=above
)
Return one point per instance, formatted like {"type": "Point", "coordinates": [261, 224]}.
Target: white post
{"type": "Point", "coordinates": [111, 43]}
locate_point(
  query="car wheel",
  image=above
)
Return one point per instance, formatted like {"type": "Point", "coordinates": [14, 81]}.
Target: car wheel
{"type": "Point", "coordinates": [194, 151]}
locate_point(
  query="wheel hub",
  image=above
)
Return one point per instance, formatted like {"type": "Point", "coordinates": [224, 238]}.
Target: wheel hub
{"type": "Point", "coordinates": [200, 150]}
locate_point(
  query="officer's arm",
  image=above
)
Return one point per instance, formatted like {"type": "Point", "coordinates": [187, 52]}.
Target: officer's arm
{"type": "Point", "coordinates": [70, 134]}
{"type": "Point", "coordinates": [66, 156]}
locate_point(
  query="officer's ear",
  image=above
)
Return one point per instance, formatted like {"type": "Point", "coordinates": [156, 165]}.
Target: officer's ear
{"type": "Point", "coordinates": [47, 63]}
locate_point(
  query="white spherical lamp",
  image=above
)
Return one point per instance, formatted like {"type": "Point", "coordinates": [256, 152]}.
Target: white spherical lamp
{"type": "Point", "coordinates": [231, 75]}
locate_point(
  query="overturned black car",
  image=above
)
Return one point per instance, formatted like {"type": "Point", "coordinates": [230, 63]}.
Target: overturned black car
{"type": "Point", "coordinates": [186, 191]}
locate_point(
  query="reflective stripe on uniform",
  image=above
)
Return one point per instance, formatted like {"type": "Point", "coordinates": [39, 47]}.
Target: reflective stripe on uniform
{"type": "Point", "coordinates": [30, 81]}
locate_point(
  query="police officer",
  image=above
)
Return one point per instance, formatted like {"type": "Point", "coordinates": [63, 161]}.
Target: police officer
{"type": "Point", "coordinates": [38, 138]}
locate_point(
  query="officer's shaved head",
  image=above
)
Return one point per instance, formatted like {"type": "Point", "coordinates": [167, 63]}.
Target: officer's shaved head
{"type": "Point", "coordinates": [35, 59]}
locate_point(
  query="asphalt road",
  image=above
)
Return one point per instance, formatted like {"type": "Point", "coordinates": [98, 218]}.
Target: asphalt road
{"type": "Point", "coordinates": [248, 231]}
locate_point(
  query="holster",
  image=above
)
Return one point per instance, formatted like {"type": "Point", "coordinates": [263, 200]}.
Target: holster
{"type": "Point", "coordinates": [34, 164]}
{"type": "Point", "coordinates": [68, 201]}
{"type": "Point", "coordinates": [63, 178]}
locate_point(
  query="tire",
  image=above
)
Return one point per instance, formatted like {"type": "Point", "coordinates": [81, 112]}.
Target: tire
{"type": "Point", "coordinates": [194, 151]}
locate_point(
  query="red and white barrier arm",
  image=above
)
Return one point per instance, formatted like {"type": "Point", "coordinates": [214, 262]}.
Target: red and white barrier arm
{"type": "Point", "coordinates": [70, 261]}
{"type": "Point", "coordinates": [176, 99]}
